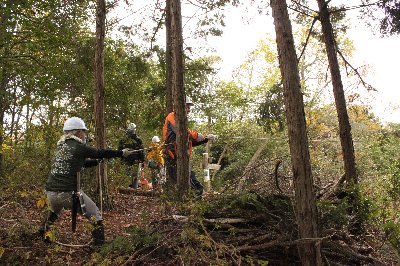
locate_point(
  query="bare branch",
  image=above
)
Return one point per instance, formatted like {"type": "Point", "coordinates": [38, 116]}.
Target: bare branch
{"type": "Point", "coordinates": [308, 37]}
{"type": "Point", "coordinates": [355, 7]}
{"type": "Point", "coordinates": [368, 86]}
{"type": "Point", "coordinates": [300, 11]}
{"type": "Point", "coordinates": [116, 21]}
{"type": "Point", "coordinates": [303, 6]}
{"type": "Point", "coordinates": [159, 24]}
{"type": "Point", "coordinates": [74, 246]}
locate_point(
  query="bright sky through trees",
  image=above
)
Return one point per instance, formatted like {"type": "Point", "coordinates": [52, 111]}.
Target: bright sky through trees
{"type": "Point", "coordinates": [380, 54]}
{"type": "Point", "coordinates": [243, 31]}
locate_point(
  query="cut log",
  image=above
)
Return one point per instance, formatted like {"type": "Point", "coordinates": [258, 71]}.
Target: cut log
{"type": "Point", "coordinates": [181, 218]}
{"type": "Point", "coordinates": [138, 192]}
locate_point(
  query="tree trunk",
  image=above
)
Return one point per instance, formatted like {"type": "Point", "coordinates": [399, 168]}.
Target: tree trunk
{"type": "Point", "coordinates": [168, 58]}
{"type": "Point", "coordinates": [178, 90]}
{"type": "Point", "coordinates": [99, 100]}
{"type": "Point", "coordinates": [340, 101]}
{"type": "Point", "coordinates": [4, 77]}
{"type": "Point", "coordinates": [1, 142]}
{"type": "Point", "coordinates": [305, 206]}
{"type": "Point", "coordinates": [3, 104]}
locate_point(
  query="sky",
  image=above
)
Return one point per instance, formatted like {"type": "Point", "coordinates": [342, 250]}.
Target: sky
{"type": "Point", "coordinates": [382, 55]}
{"type": "Point", "coordinates": [244, 30]}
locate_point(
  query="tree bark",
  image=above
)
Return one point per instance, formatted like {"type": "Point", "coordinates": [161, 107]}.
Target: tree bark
{"type": "Point", "coordinates": [101, 171]}
{"type": "Point", "coordinates": [346, 139]}
{"type": "Point", "coordinates": [4, 78]}
{"type": "Point", "coordinates": [177, 72]}
{"type": "Point", "coordinates": [305, 206]}
{"type": "Point", "coordinates": [1, 132]}
{"type": "Point", "coordinates": [3, 104]}
{"type": "Point", "coordinates": [168, 58]}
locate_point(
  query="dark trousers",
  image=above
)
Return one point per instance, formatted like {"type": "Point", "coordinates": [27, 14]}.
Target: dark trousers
{"type": "Point", "coordinates": [194, 182]}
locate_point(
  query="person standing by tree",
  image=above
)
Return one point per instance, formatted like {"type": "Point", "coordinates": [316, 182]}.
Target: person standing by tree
{"type": "Point", "coordinates": [62, 186]}
{"type": "Point", "coordinates": [194, 139]}
{"type": "Point", "coordinates": [155, 161]}
{"type": "Point", "coordinates": [132, 141]}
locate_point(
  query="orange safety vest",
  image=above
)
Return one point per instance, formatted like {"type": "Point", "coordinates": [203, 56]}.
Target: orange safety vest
{"type": "Point", "coordinates": [169, 136]}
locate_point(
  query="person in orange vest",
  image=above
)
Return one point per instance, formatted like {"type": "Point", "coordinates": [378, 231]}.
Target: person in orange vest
{"type": "Point", "coordinates": [194, 139]}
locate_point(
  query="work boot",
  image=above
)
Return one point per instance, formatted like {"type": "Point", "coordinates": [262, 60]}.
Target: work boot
{"type": "Point", "coordinates": [98, 234]}
{"type": "Point", "coordinates": [51, 217]}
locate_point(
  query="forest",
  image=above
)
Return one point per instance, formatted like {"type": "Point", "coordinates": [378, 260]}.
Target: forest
{"type": "Point", "coordinates": [302, 172]}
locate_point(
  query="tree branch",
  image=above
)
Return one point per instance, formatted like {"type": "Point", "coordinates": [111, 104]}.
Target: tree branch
{"type": "Point", "coordinates": [303, 6]}
{"type": "Point", "coordinates": [368, 86]}
{"type": "Point", "coordinates": [308, 37]}
{"type": "Point", "coordinates": [300, 11]}
{"type": "Point", "coordinates": [157, 29]}
{"type": "Point", "coordinates": [354, 7]}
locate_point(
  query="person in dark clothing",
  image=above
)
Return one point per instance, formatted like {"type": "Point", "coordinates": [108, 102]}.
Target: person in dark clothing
{"type": "Point", "coordinates": [62, 186]}
{"type": "Point", "coordinates": [133, 162]}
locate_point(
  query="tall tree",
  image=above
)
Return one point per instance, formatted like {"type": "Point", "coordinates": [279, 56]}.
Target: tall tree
{"type": "Point", "coordinates": [178, 90]}
{"type": "Point", "coordinates": [340, 101]}
{"type": "Point", "coordinates": [305, 205]}
{"type": "Point", "coordinates": [99, 96]}
{"type": "Point", "coordinates": [4, 69]}
{"type": "Point", "coordinates": [168, 57]}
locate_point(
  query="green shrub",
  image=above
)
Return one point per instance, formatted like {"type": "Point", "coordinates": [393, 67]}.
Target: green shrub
{"type": "Point", "coordinates": [392, 231]}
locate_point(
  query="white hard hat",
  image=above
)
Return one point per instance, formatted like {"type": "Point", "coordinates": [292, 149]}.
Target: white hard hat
{"type": "Point", "coordinates": [131, 127]}
{"type": "Point", "coordinates": [155, 139]}
{"type": "Point", "coordinates": [74, 123]}
{"type": "Point", "coordinates": [189, 101]}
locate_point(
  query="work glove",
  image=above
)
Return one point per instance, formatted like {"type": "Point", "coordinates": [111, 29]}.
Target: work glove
{"type": "Point", "coordinates": [126, 152]}
{"type": "Point", "coordinates": [211, 137]}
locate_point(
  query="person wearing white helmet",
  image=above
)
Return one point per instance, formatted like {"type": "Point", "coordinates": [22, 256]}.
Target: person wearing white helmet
{"type": "Point", "coordinates": [194, 139]}
{"type": "Point", "coordinates": [71, 156]}
{"type": "Point", "coordinates": [155, 139]}
{"type": "Point", "coordinates": [155, 161]}
{"type": "Point", "coordinates": [133, 162]}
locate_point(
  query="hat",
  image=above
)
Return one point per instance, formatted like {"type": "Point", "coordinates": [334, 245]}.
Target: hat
{"type": "Point", "coordinates": [73, 123]}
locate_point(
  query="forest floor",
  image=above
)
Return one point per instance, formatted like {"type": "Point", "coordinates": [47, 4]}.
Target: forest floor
{"type": "Point", "coordinates": [20, 221]}
{"type": "Point", "coordinates": [260, 240]}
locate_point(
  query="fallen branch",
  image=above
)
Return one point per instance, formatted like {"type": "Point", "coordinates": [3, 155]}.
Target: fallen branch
{"type": "Point", "coordinates": [138, 192]}
{"type": "Point", "coordinates": [334, 190]}
{"type": "Point", "coordinates": [221, 248]}
{"type": "Point", "coordinates": [131, 258]}
{"type": "Point", "coordinates": [247, 169]}
{"type": "Point", "coordinates": [279, 243]}
{"type": "Point", "coordinates": [276, 175]}
{"type": "Point", "coordinates": [181, 218]}
{"type": "Point", "coordinates": [224, 151]}
{"type": "Point", "coordinates": [273, 243]}
{"type": "Point", "coordinates": [72, 245]}
{"type": "Point", "coordinates": [350, 253]}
